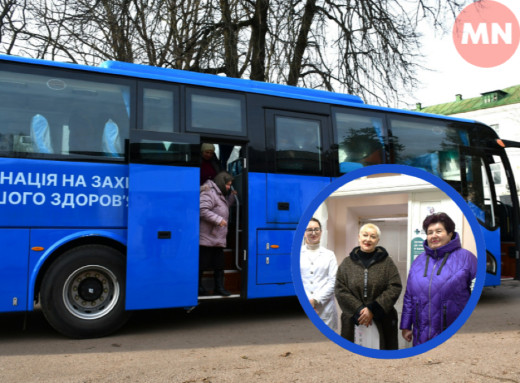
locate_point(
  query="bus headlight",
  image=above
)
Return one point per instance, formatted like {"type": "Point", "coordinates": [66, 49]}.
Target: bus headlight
{"type": "Point", "coordinates": [491, 263]}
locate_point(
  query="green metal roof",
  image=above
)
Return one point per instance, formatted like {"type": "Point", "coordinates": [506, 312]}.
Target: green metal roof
{"type": "Point", "coordinates": [499, 97]}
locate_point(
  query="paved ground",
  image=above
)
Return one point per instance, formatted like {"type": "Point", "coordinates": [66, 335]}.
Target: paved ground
{"type": "Point", "coordinates": [256, 341]}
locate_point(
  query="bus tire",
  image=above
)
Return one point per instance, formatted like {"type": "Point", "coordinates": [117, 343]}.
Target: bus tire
{"type": "Point", "coordinates": [83, 292]}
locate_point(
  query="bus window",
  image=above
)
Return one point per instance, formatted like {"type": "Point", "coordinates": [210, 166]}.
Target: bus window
{"type": "Point", "coordinates": [215, 112]}
{"type": "Point", "coordinates": [298, 145]}
{"type": "Point", "coordinates": [433, 147]}
{"type": "Point", "coordinates": [505, 210]}
{"type": "Point", "coordinates": [478, 190]}
{"type": "Point", "coordinates": [44, 115]}
{"type": "Point", "coordinates": [159, 109]}
{"type": "Point", "coordinates": [360, 141]}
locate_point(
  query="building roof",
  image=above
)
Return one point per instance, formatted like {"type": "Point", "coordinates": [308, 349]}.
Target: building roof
{"type": "Point", "coordinates": [492, 99]}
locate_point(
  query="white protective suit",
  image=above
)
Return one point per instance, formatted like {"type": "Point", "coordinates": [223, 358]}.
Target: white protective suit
{"type": "Point", "coordinates": [318, 267]}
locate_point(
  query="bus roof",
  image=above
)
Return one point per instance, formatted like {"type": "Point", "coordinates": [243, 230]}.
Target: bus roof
{"type": "Point", "coordinates": [221, 82]}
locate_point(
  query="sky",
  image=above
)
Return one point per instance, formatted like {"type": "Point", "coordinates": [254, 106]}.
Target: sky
{"type": "Point", "coordinates": [450, 74]}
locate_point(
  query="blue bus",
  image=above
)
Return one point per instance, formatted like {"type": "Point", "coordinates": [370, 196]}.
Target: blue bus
{"type": "Point", "coordinates": [99, 182]}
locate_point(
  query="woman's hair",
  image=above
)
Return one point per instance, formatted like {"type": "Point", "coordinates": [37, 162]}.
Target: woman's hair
{"type": "Point", "coordinates": [316, 220]}
{"type": "Point", "coordinates": [207, 146]}
{"type": "Point", "coordinates": [221, 180]}
{"type": "Point", "coordinates": [370, 226]}
{"type": "Point", "coordinates": [443, 218]}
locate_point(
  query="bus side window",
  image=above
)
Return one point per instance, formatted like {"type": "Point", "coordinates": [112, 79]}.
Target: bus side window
{"type": "Point", "coordinates": [41, 135]}
{"type": "Point", "coordinates": [215, 112]}
{"type": "Point", "coordinates": [298, 145]}
{"type": "Point", "coordinates": [359, 139]}
{"type": "Point", "coordinates": [84, 135]}
{"type": "Point", "coordinates": [159, 110]}
{"type": "Point", "coordinates": [111, 141]}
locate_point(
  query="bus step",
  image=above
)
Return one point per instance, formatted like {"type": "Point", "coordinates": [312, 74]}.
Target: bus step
{"type": "Point", "coordinates": [209, 297]}
{"type": "Point", "coordinates": [232, 282]}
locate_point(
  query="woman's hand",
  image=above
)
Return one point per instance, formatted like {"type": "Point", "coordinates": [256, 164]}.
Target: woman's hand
{"type": "Point", "coordinates": [407, 335]}
{"type": "Point", "coordinates": [314, 303]}
{"type": "Point", "coordinates": [365, 317]}
{"type": "Point", "coordinates": [223, 223]}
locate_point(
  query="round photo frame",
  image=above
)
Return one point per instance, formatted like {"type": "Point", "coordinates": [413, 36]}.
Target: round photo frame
{"type": "Point", "coordinates": [479, 280]}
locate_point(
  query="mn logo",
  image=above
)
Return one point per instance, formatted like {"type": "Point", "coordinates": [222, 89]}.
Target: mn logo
{"type": "Point", "coordinates": [486, 34]}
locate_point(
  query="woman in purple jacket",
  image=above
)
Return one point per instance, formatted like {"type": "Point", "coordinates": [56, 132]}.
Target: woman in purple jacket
{"type": "Point", "coordinates": [439, 282]}
{"type": "Point", "coordinates": [215, 200]}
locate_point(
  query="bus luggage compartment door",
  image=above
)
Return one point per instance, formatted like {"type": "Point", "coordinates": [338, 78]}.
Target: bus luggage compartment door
{"type": "Point", "coordinates": [13, 274]}
{"type": "Point", "coordinates": [274, 256]}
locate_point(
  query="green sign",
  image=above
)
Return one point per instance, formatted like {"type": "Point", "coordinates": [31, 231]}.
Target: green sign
{"type": "Point", "coordinates": [416, 247]}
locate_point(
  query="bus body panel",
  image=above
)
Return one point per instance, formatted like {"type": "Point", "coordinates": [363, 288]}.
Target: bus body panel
{"type": "Point", "coordinates": [42, 193]}
{"type": "Point", "coordinates": [13, 273]}
{"type": "Point", "coordinates": [163, 237]}
{"type": "Point", "coordinates": [276, 202]}
{"type": "Point", "coordinates": [492, 240]}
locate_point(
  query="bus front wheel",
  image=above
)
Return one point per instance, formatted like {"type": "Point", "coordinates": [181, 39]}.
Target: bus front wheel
{"type": "Point", "coordinates": [82, 293]}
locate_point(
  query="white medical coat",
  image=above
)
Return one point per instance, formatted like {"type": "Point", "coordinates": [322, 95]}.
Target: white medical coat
{"type": "Point", "coordinates": [318, 269]}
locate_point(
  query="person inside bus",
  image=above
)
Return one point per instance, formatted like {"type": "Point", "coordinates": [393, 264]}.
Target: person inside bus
{"type": "Point", "coordinates": [318, 268]}
{"type": "Point", "coordinates": [215, 199]}
{"type": "Point", "coordinates": [439, 283]}
{"type": "Point", "coordinates": [476, 202]}
{"type": "Point", "coordinates": [209, 164]}
{"type": "Point", "coordinates": [367, 287]}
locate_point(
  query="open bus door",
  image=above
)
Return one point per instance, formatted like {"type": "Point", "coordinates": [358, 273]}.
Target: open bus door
{"type": "Point", "coordinates": [509, 210]}
{"type": "Point", "coordinates": [479, 188]}
{"type": "Point", "coordinates": [163, 220]}
{"type": "Point", "coordinates": [237, 167]}
{"type": "Point", "coordinates": [232, 158]}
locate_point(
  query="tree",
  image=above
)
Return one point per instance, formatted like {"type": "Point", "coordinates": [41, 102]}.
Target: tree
{"type": "Point", "coordinates": [366, 47]}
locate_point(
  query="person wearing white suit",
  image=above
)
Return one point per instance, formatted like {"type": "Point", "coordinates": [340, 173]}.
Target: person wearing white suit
{"type": "Point", "coordinates": [318, 268]}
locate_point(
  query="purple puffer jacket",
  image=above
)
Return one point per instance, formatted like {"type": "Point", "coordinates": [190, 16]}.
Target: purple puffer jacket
{"type": "Point", "coordinates": [214, 207]}
{"type": "Point", "coordinates": [437, 290]}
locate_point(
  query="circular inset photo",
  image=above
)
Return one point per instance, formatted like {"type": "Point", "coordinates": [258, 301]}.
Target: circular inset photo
{"type": "Point", "coordinates": [388, 261]}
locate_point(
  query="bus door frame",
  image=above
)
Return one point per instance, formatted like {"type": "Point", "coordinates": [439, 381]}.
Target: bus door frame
{"type": "Point", "coordinates": [240, 244]}
{"type": "Point", "coordinates": [493, 244]}
{"type": "Point", "coordinates": [514, 252]}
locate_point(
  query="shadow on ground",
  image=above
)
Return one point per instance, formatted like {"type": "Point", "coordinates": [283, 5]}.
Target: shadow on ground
{"type": "Point", "coordinates": [229, 322]}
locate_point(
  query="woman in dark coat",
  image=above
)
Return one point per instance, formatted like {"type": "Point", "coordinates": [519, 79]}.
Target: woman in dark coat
{"type": "Point", "coordinates": [367, 286]}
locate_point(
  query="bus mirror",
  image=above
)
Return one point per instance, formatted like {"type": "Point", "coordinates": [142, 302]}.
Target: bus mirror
{"type": "Point", "coordinates": [507, 143]}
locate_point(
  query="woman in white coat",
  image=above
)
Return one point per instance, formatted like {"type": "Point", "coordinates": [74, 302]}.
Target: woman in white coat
{"type": "Point", "coordinates": [318, 268]}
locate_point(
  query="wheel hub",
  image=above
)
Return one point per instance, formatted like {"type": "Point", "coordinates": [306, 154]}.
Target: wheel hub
{"type": "Point", "coordinates": [90, 289]}
{"type": "Point", "coordinates": [91, 292]}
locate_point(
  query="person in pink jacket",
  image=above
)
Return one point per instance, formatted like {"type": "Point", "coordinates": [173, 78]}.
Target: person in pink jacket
{"type": "Point", "coordinates": [215, 200]}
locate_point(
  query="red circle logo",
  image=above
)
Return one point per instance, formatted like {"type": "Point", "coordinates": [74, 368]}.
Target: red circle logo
{"type": "Point", "coordinates": [486, 33]}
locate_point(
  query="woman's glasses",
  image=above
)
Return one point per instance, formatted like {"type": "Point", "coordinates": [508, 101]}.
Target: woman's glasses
{"type": "Point", "coordinates": [314, 230]}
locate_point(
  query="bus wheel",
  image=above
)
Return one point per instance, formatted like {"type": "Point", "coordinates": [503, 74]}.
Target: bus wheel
{"type": "Point", "coordinates": [82, 293]}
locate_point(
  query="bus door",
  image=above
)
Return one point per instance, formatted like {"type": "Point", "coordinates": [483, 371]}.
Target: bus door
{"type": "Point", "coordinates": [163, 220]}
{"type": "Point", "coordinates": [479, 190]}
{"type": "Point", "coordinates": [298, 168]}
{"type": "Point", "coordinates": [232, 158]}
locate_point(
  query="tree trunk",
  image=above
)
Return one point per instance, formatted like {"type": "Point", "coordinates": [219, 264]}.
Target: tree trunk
{"type": "Point", "coordinates": [301, 43]}
{"type": "Point", "coordinates": [258, 33]}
